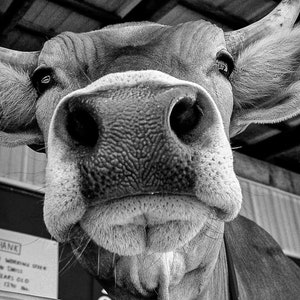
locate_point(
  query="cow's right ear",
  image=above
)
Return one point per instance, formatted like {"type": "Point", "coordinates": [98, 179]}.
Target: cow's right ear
{"type": "Point", "coordinates": [17, 107]}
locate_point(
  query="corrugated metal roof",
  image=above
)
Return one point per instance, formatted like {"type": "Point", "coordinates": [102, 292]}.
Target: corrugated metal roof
{"type": "Point", "coordinates": [52, 16]}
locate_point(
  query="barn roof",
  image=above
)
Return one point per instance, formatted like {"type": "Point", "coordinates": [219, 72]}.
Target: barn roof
{"type": "Point", "coordinates": [27, 24]}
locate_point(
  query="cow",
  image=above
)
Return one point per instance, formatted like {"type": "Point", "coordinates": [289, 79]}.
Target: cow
{"type": "Point", "coordinates": [135, 120]}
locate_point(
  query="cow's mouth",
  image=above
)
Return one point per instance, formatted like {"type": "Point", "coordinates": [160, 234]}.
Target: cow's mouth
{"type": "Point", "coordinates": [140, 242]}
{"type": "Point", "coordinates": [146, 274]}
{"type": "Point", "coordinates": [141, 224]}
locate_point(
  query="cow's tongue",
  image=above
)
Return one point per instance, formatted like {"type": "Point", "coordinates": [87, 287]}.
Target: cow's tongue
{"type": "Point", "coordinates": [147, 274]}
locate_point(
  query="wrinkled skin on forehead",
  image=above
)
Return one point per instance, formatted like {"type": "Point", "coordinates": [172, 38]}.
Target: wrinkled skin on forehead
{"type": "Point", "coordinates": [186, 52]}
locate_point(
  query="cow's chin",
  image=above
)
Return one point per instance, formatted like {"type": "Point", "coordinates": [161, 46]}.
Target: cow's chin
{"type": "Point", "coordinates": [146, 274]}
{"type": "Point", "coordinates": [140, 243]}
{"type": "Point", "coordinates": [144, 244]}
{"type": "Point", "coordinates": [144, 224]}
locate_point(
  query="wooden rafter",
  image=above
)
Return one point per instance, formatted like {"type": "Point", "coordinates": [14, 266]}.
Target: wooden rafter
{"type": "Point", "coordinates": [209, 9]}
{"type": "Point", "coordinates": [274, 145]}
{"type": "Point", "coordinates": [89, 10]}
{"type": "Point", "coordinates": [145, 10]}
{"type": "Point", "coordinates": [35, 30]}
{"type": "Point", "coordinates": [13, 15]}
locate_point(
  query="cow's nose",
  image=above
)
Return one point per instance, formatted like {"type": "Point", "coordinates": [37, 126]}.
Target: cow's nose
{"type": "Point", "coordinates": [76, 124]}
{"type": "Point", "coordinates": [134, 137]}
{"type": "Point", "coordinates": [84, 127]}
{"type": "Point", "coordinates": [180, 112]}
{"type": "Point", "coordinates": [185, 116]}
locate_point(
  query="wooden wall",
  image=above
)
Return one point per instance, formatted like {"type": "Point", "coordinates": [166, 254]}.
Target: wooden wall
{"type": "Point", "coordinates": [266, 173]}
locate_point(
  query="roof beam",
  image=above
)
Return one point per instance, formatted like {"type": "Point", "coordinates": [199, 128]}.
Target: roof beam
{"type": "Point", "coordinates": [274, 145]}
{"type": "Point", "coordinates": [208, 9]}
{"type": "Point", "coordinates": [167, 7]}
{"type": "Point", "coordinates": [89, 10]}
{"type": "Point", "coordinates": [266, 173]}
{"type": "Point", "coordinates": [13, 15]}
{"type": "Point", "coordinates": [145, 10]}
{"type": "Point", "coordinates": [35, 30]}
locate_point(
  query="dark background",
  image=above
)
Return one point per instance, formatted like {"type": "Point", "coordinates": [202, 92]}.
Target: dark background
{"type": "Point", "coordinates": [22, 211]}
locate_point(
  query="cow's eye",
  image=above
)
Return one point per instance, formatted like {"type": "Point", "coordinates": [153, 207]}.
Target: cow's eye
{"type": "Point", "coordinates": [42, 79]}
{"type": "Point", "coordinates": [225, 63]}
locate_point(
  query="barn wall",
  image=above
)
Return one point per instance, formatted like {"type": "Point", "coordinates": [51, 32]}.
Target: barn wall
{"type": "Point", "coordinates": [23, 165]}
{"type": "Point", "coordinates": [266, 173]}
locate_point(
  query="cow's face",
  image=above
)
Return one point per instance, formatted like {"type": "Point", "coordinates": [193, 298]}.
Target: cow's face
{"type": "Point", "coordinates": [142, 151]}
{"type": "Point", "coordinates": [136, 121]}
{"type": "Point", "coordinates": [194, 52]}
{"type": "Point", "coordinates": [139, 160]}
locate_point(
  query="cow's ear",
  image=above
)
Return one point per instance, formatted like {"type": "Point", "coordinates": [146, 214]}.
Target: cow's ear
{"type": "Point", "coordinates": [17, 108]}
{"type": "Point", "coordinates": [266, 81]}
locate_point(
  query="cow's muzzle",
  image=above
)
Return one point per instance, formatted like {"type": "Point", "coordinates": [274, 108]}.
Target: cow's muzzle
{"type": "Point", "coordinates": [137, 136]}
{"type": "Point", "coordinates": [147, 155]}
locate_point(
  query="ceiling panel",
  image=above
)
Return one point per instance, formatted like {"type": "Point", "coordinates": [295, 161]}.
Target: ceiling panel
{"type": "Point", "coordinates": [4, 4]}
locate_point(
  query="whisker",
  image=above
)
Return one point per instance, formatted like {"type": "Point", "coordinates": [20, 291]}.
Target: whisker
{"type": "Point", "coordinates": [236, 147]}
{"type": "Point", "coordinates": [115, 276]}
{"type": "Point", "coordinates": [98, 262]}
{"type": "Point", "coordinates": [68, 265]}
{"type": "Point", "coordinates": [84, 73]}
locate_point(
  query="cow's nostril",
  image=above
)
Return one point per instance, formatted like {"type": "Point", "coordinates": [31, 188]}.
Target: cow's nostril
{"type": "Point", "coordinates": [82, 127]}
{"type": "Point", "coordinates": [185, 116]}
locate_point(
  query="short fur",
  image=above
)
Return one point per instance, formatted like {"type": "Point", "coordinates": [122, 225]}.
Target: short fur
{"type": "Point", "coordinates": [267, 72]}
{"type": "Point", "coordinates": [17, 99]}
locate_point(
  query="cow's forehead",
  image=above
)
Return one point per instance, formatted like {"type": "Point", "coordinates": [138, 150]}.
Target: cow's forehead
{"type": "Point", "coordinates": [146, 33]}
{"type": "Point", "coordinates": [186, 51]}
{"type": "Point", "coordinates": [189, 40]}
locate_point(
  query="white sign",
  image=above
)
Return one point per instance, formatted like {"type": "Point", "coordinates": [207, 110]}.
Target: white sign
{"type": "Point", "coordinates": [28, 264]}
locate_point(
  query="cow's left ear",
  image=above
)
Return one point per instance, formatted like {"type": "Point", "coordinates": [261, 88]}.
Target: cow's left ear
{"type": "Point", "coordinates": [18, 124]}
{"type": "Point", "coordinates": [266, 81]}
